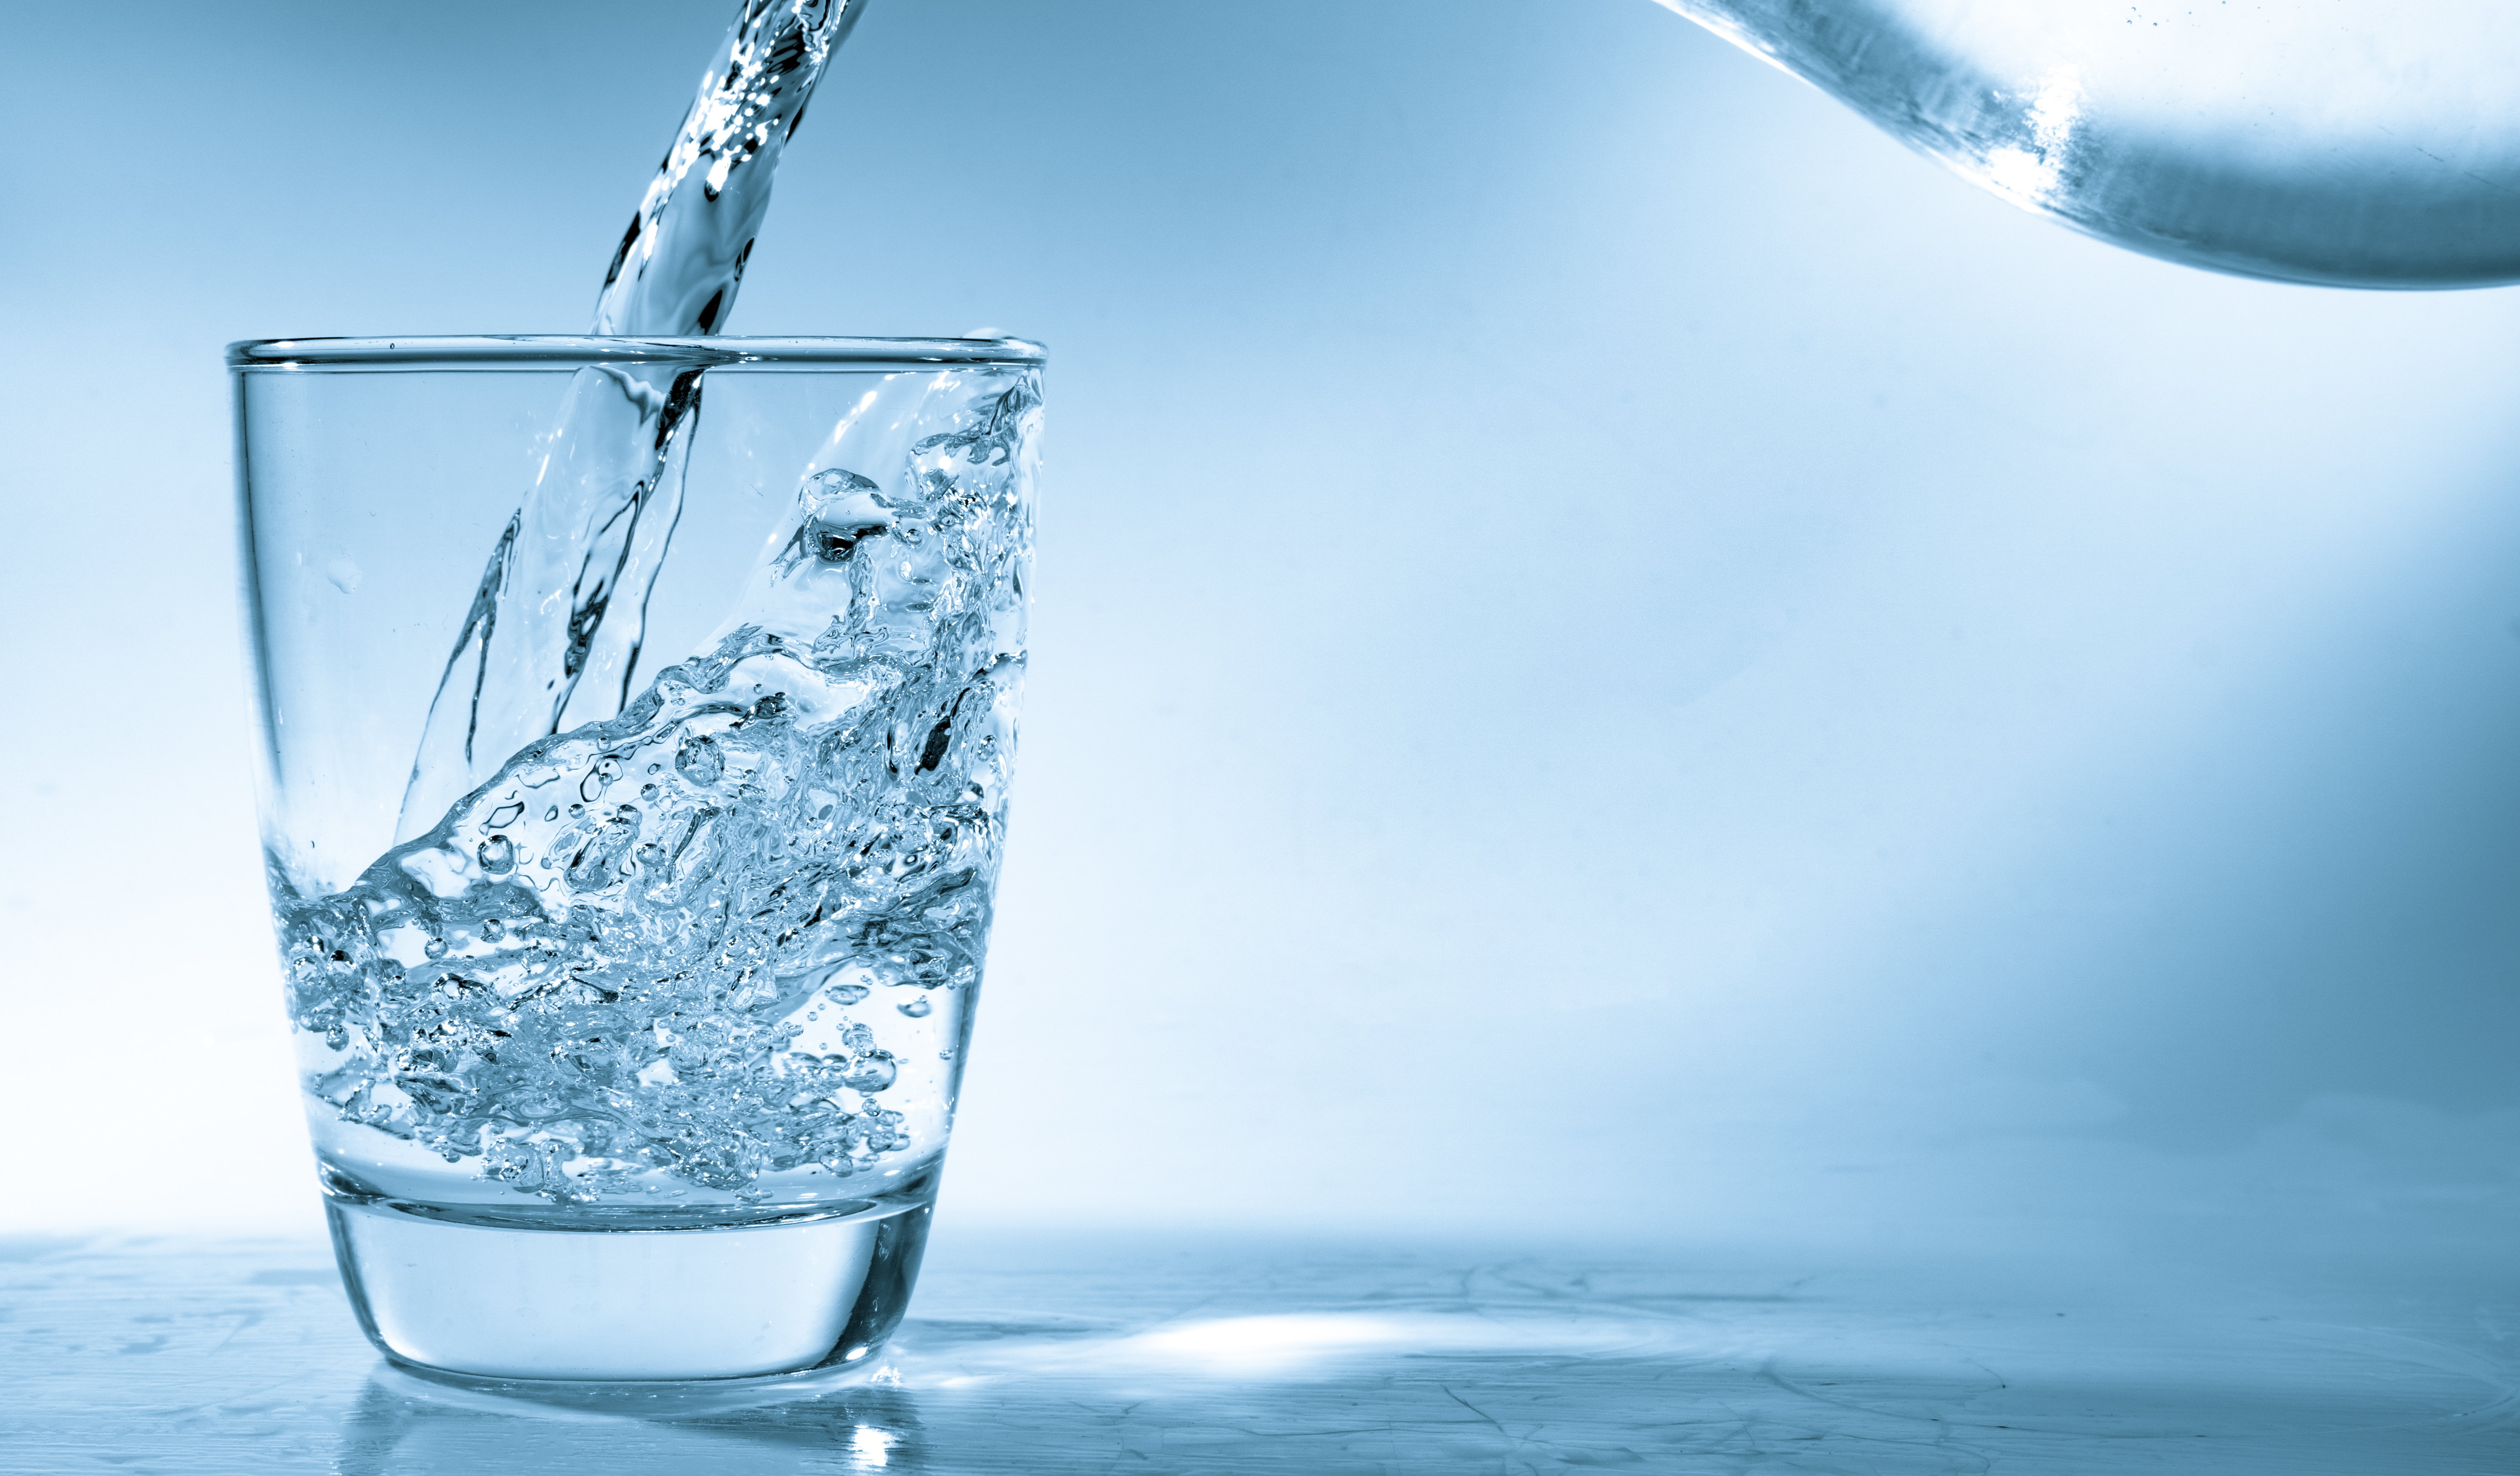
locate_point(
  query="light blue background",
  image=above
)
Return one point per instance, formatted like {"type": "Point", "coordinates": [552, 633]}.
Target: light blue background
{"type": "Point", "coordinates": [1613, 649]}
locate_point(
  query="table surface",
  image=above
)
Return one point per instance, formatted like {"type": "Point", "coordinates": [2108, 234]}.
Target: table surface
{"type": "Point", "coordinates": [1024, 1355]}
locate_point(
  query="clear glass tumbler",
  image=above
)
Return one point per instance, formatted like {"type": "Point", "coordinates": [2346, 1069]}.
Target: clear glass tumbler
{"type": "Point", "coordinates": [636, 724]}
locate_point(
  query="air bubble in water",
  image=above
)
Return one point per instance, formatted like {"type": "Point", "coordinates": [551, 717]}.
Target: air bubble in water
{"type": "Point", "coordinates": [918, 1007]}
{"type": "Point", "coordinates": [699, 760]}
{"type": "Point", "coordinates": [498, 854]}
{"type": "Point", "coordinates": [871, 1073]}
{"type": "Point", "coordinates": [598, 778]}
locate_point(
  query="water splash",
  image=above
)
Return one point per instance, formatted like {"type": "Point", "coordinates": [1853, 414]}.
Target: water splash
{"type": "Point", "coordinates": [622, 965]}
{"type": "Point", "coordinates": [553, 631]}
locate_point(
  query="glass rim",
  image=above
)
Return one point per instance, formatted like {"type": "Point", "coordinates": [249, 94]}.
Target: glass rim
{"type": "Point", "coordinates": [561, 351]}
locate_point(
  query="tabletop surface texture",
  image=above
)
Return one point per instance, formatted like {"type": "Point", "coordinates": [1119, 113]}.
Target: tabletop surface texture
{"type": "Point", "coordinates": [1186, 1355]}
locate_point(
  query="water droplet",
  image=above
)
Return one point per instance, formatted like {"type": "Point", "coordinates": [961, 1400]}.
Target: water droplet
{"type": "Point", "coordinates": [914, 1009]}
{"type": "Point", "coordinates": [498, 857]}
{"type": "Point", "coordinates": [507, 814]}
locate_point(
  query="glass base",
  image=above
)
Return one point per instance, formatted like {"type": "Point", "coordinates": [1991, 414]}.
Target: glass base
{"type": "Point", "coordinates": [444, 1296]}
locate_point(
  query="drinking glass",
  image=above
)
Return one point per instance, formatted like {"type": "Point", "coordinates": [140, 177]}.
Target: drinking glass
{"type": "Point", "coordinates": [636, 717]}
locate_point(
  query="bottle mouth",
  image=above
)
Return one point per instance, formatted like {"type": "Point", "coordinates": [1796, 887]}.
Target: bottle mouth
{"type": "Point", "coordinates": [547, 350]}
